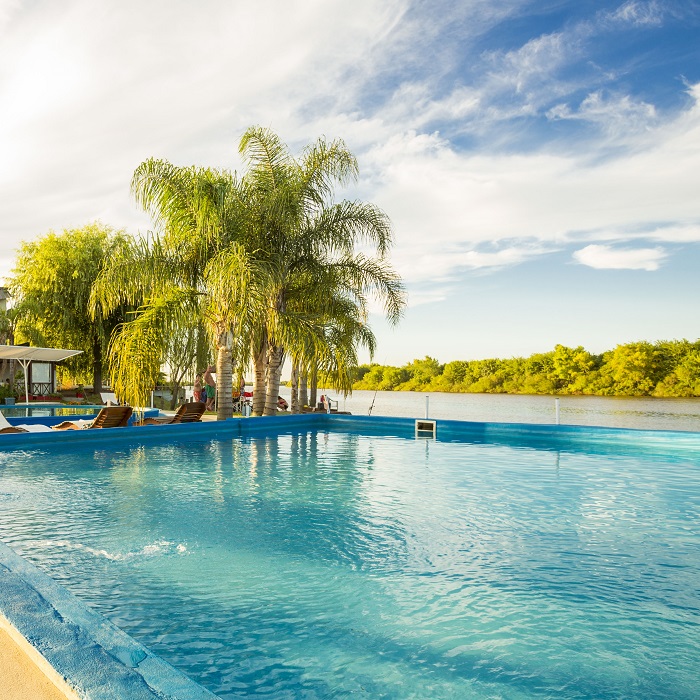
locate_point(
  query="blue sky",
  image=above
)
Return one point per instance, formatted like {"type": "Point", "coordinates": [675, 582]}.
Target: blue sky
{"type": "Point", "coordinates": [540, 161]}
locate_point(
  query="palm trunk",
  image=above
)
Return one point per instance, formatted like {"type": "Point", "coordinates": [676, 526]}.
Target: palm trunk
{"type": "Point", "coordinates": [274, 372]}
{"type": "Point", "coordinates": [177, 380]}
{"type": "Point", "coordinates": [259, 379]}
{"type": "Point", "coordinates": [175, 392]}
{"type": "Point", "coordinates": [96, 365]}
{"type": "Point", "coordinates": [314, 388]}
{"type": "Point", "coordinates": [224, 377]}
{"type": "Point", "coordinates": [303, 388]}
{"type": "Point", "coordinates": [295, 387]}
{"type": "Point", "coordinates": [203, 349]}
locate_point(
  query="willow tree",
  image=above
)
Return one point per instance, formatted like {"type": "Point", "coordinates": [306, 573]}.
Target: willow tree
{"type": "Point", "coordinates": [51, 285]}
{"type": "Point", "coordinates": [307, 243]}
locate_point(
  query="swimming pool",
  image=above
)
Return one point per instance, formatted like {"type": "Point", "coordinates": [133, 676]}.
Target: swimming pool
{"type": "Point", "coordinates": [48, 410]}
{"type": "Point", "coordinates": [324, 563]}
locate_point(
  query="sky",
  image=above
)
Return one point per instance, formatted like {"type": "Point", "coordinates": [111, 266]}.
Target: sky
{"type": "Point", "coordinates": [540, 161]}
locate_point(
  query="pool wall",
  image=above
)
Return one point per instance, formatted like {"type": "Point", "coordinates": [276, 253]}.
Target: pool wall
{"type": "Point", "coordinates": [577, 438]}
{"type": "Point", "coordinates": [234, 427]}
{"type": "Point", "coordinates": [595, 440]}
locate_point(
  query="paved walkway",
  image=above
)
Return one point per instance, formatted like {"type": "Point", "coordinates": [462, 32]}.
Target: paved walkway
{"type": "Point", "coordinates": [20, 677]}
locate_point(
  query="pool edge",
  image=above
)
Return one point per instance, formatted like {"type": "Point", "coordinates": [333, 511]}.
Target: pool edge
{"type": "Point", "coordinates": [93, 657]}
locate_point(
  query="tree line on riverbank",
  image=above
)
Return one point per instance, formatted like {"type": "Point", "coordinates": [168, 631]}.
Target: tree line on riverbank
{"type": "Point", "coordinates": [664, 369]}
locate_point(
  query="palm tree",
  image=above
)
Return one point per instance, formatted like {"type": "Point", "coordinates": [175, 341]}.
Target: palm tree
{"type": "Point", "coordinates": [344, 330]}
{"type": "Point", "coordinates": [193, 271]}
{"type": "Point", "coordinates": [267, 263]}
{"type": "Point", "coordinates": [307, 244]}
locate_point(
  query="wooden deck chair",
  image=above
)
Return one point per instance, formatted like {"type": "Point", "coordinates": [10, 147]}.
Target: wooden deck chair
{"type": "Point", "coordinates": [109, 398]}
{"type": "Point", "coordinates": [6, 427]}
{"type": "Point", "coordinates": [191, 412]}
{"type": "Point", "coordinates": [108, 417]}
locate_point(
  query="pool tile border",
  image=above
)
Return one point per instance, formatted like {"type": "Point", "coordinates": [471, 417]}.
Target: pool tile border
{"type": "Point", "coordinates": [92, 655]}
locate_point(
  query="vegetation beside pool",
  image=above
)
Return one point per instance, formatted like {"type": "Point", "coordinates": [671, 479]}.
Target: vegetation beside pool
{"type": "Point", "coordinates": [240, 270]}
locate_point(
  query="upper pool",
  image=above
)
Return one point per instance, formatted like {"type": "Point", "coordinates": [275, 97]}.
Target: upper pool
{"type": "Point", "coordinates": [48, 410]}
{"type": "Point", "coordinates": [329, 564]}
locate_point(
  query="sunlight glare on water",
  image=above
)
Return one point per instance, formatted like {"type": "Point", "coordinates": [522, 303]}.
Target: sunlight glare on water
{"type": "Point", "coordinates": [329, 565]}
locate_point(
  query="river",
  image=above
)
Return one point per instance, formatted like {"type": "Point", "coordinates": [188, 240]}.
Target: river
{"type": "Point", "coordinates": [615, 412]}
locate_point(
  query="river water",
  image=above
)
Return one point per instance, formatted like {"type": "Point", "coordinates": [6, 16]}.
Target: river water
{"type": "Point", "coordinates": [613, 412]}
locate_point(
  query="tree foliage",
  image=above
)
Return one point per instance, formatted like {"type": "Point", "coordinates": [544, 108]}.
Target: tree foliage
{"type": "Point", "coordinates": [266, 263]}
{"type": "Point", "coordinates": [51, 285]}
{"type": "Point", "coordinates": [666, 368]}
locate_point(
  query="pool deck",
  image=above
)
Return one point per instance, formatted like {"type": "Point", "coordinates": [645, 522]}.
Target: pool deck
{"type": "Point", "coordinates": [24, 673]}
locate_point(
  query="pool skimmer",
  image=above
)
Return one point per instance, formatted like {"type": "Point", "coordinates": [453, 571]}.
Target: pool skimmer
{"type": "Point", "coordinates": [426, 428]}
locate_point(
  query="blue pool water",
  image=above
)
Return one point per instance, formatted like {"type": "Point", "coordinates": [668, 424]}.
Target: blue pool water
{"type": "Point", "coordinates": [48, 410]}
{"type": "Point", "coordinates": [337, 564]}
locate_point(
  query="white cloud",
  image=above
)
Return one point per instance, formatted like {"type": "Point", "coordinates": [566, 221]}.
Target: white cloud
{"type": "Point", "coordinates": [88, 93]}
{"type": "Point", "coordinates": [7, 9]}
{"type": "Point", "coordinates": [675, 234]}
{"type": "Point", "coordinates": [444, 202]}
{"type": "Point", "coordinates": [421, 262]}
{"type": "Point", "coordinates": [603, 257]}
{"type": "Point", "coordinates": [91, 94]}
{"type": "Point", "coordinates": [619, 116]}
{"type": "Point", "coordinates": [523, 82]}
{"type": "Point", "coordinates": [530, 64]}
{"type": "Point", "coordinates": [635, 13]}
{"type": "Point", "coordinates": [418, 99]}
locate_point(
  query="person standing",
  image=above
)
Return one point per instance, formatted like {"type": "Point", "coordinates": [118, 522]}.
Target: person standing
{"type": "Point", "coordinates": [210, 387]}
{"type": "Point", "coordinates": [199, 393]}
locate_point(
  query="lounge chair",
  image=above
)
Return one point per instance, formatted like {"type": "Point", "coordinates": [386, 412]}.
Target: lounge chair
{"type": "Point", "coordinates": [6, 427]}
{"type": "Point", "coordinates": [190, 412]}
{"type": "Point", "coordinates": [109, 398]}
{"type": "Point", "coordinates": [108, 417]}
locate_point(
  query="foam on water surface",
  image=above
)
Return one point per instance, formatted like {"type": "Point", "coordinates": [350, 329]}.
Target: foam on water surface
{"type": "Point", "coordinates": [159, 548]}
